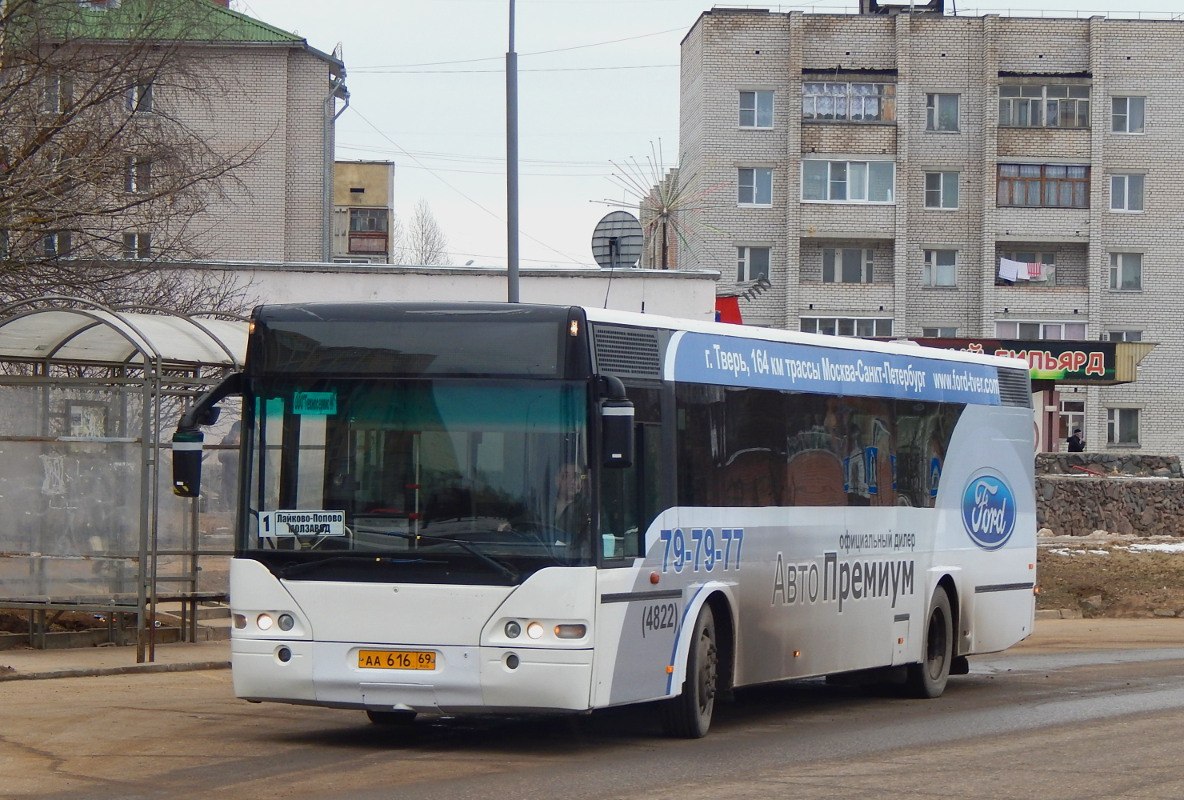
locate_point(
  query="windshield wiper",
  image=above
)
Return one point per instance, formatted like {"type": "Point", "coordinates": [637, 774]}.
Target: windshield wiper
{"type": "Point", "coordinates": [299, 568]}
{"type": "Point", "coordinates": [499, 566]}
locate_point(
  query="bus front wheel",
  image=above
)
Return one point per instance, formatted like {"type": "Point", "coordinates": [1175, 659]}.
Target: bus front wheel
{"type": "Point", "coordinates": [928, 679]}
{"type": "Point", "coordinates": [688, 716]}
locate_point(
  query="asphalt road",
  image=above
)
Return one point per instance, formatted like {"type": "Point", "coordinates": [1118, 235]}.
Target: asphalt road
{"type": "Point", "coordinates": [1056, 719]}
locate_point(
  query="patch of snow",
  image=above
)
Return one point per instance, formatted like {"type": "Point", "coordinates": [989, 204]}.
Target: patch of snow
{"type": "Point", "coordinates": [1161, 547]}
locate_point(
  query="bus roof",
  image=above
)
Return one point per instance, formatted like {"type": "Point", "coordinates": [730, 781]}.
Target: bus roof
{"type": "Point", "coordinates": [897, 347]}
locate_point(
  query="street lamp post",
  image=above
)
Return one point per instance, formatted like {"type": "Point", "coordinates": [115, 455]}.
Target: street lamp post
{"type": "Point", "coordinates": [512, 166]}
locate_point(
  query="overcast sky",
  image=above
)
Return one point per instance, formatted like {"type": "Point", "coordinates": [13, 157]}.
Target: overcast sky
{"type": "Point", "coordinates": [598, 86]}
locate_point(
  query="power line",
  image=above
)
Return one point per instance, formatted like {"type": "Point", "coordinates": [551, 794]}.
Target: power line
{"type": "Point", "coordinates": [394, 71]}
{"type": "Point", "coordinates": [477, 203]}
{"type": "Point", "coordinates": [463, 157]}
{"type": "Point", "coordinates": [559, 169]}
{"type": "Point", "coordinates": [520, 55]}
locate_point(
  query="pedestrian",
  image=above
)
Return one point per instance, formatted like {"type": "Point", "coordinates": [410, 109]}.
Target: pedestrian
{"type": "Point", "coordinates": [1076, 443]}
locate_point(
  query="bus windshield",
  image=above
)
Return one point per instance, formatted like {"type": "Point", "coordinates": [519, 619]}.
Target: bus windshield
{"type": "Point", "coordinates": [490, 471]}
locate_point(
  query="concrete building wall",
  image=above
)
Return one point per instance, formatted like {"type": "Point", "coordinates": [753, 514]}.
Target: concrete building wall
{"type": "Point", "coordinates": [970, 58]}
{"type": "Point", "coordinates": [674, 293]}
{"type": "Point", "coordinates": [368, 185]}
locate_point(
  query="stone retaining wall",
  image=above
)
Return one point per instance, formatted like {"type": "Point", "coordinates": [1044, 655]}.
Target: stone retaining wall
{"type": "Point", "coordinates": [1079, 493]}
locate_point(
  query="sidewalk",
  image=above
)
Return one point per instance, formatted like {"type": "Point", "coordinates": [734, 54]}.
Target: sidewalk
{"type": "Point", "coordinates": [28, 664]}
{"type": "Point", "coordinates": [1051, 635]}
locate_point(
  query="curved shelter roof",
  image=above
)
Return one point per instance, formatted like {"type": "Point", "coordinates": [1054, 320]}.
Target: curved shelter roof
{"type": "Point", "coordinates": [89, 334]}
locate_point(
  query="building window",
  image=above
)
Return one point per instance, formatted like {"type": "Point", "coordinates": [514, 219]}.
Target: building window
{"type": "Point", "coordinates": [755, 186]}
{"type": "Point", "coordinates": [941, 112]}
{"type": "Point", "coordinates": [1048, 106]}
{"type": "Point", "coordinates": [137, 246]}
{"type": "Point", "coordinates": [137, 174]}
{"type": "Point", "coordinates": [368, 219]}
{"type": "Point", "coordinates": [756, 109]}
{"type": "Point", "coordinates": [752, 263]}
{"type": "Point", "coordinates": [1124, 336]}
{"type": "Point", "coordinates": [1031, 266]}
{"type": "Point", "coordinates": [939, 332]}
{"type": "Point", "coordinates": [139, 98]}
{"type": "Point", "coordinates": [1126, 192]}
{"type": "Point", "coordinates": [1039, 330]}
{"type": "Point", "coordinates": [849, 102]}
{"type": "Point", "coordinates": [1126, 271]}
{"type": "Point", "coordinates": [1122, 426]}
{"type": "Point", "coordinates": [1126, 114]}
{"type": "Point", "coordinates": [846, 265]}
{"type": "Point", "coordinates": [941, 189]}
{"type": "Point", "coordinates": [941, 268]}
{"type": "Point", "coordinates": [848, 181]}
{"type": "Point", "coordinates": [866, 327]}
{"type": "Point", "coordinates": [1072, 417]}
{"type": "Point", "coordinates": [58, 95]}
{"type": "Point", "coordinates": [1042, 186]}
{"type": "Point", "coordinates": [56, 244]}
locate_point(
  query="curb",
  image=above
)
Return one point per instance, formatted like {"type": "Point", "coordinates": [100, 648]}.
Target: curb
{"type": "Point", "coordinates": [132, 669]}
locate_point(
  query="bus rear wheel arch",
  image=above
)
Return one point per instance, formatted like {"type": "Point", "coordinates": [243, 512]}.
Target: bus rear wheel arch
{"type": "Point", "coordinates": [928, 678]}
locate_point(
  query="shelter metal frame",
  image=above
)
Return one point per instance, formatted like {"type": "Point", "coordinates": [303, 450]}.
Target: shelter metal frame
{"type": "Point", "coordinates": [59, 342]}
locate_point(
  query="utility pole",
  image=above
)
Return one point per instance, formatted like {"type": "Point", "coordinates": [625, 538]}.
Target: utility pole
{"type": "Point", "coordinates": [512, 167]}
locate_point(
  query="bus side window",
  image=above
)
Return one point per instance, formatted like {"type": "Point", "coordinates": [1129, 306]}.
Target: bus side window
{"type": "Point", "coordinates": [629, 498]}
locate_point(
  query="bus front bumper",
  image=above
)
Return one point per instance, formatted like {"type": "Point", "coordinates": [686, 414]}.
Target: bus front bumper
{"type": "Point", "coordinates": [465, 680]}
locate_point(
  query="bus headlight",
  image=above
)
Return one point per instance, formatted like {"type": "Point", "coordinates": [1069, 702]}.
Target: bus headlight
{"type": "Point", "coordinates": [570, 631]}
{"type": "Point", "coordinates": [534, 630]}
{"type": "Point", "coordinates": [513, 630]}
{"type": "Point", "coordinates": [287, 622]}
{"type": "Point", "coordinates": [264, 621]}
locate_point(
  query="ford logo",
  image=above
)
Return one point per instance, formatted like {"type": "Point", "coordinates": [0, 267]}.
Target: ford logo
{"type": "Point", "coordinates": [988, 511]}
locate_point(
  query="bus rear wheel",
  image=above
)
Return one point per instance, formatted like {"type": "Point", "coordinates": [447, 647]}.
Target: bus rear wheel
{"type": "Point", "coordinates": [929, 678]}
{"type": "Point", "coordinates": [688, 716]}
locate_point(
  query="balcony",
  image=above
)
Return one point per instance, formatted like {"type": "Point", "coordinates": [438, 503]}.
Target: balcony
{"type": "Point", "coordinates": [368, 242]}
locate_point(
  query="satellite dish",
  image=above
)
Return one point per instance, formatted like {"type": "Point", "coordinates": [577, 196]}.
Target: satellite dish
{"type": "Point", "coordinates": [617, 240]}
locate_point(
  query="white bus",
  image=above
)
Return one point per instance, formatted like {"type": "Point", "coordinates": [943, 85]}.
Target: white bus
{"type": "Point", "coordinates": [493, 508]}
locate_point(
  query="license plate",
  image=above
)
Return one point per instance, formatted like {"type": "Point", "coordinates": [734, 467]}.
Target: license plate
{"type": "Point", "coordinates": [396, 659]}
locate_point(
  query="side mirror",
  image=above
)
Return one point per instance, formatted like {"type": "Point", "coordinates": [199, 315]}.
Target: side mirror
{"type": "Point", "coordinates": [187, 441]}
{"type": "Point", "coordinates": [616, 426]}
{"type": "Point", "coordinates": [616, 423]}
{"type": "Point", "coordinates": [187, 453]}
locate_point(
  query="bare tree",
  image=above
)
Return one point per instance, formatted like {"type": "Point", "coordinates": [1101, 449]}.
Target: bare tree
{"type": "Point", "coordinates": [101, 177]}
{"type": "Point", "coordinates": [424, 242]}
{"type": "Point", "coordinates": [396, 240]}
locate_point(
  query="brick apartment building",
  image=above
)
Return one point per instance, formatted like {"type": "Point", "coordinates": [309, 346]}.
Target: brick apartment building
{"type": "Point", "coordinates": [258, 101]}
{"type": "Point", "coordinates": [281, 95]}
{"type": "Point", "coordinates": [923, 175]}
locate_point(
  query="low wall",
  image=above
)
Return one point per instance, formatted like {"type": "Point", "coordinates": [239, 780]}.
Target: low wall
{"type": "Point", "coordinates": [1079, 493]}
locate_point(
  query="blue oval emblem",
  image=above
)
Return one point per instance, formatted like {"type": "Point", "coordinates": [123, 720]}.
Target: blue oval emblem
{"type": "Point", "coordinates": [988, 511]}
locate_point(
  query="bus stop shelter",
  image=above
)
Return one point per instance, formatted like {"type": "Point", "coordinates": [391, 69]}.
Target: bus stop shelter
{"type": "Point", "coordinates": [89, 397]}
